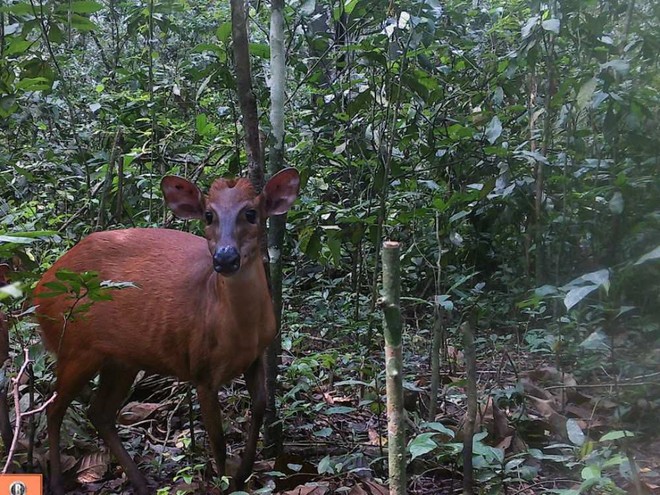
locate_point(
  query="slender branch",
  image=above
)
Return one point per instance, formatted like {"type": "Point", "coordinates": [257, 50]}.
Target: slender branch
{"type": "Point", "coordinates": [17, 407]}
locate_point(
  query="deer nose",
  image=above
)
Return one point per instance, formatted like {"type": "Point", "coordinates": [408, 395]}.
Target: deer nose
{"type": "Point", "coordinates": [226, 260]}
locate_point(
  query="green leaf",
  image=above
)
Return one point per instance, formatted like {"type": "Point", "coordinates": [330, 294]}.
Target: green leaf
{"type": "Point", "coordinates": [209, 47]}
{"type": "Point", "coordinates": [422, 444]}
{"type": "Point", "coordinates": [576, 295]}
{"type": "Point", "coordinates": [616, 203]}
{"type": "Point", "coordinates": [493, 129]}
{"type": "Point", "coordinates": [323, 433]}
{"type": "Point", "coordinates": [617, 65]}
{"type": "Point", "coordinates": [586, 92]}
{"type": "Point", "coordinates": [82, 23]}
{"type": "Point", "coordinates": [340, 410]}
{"type": "Point", "coordinates": [261, 50]}
{"type": "Point", "coordinates": [651, 255]}
{"type": "Point", "coordinates": [18, 46]}
{"type": "Point", "coordinates": [11, 290]}
{"type": "Point", "coordinates": [325, 466]}
{"type": "Point", "coordinates": [551, 25]}
{"type": "Point", "coordinates": [590, 472]}
{"type": "Point", "coordinates": [349, 6]}
{"type": "Point", "coordinates": [616, 435]}
{"type": "Point", "coordinates": [440, 428]}
{"type": "Point", "coordinates": [308, 7]}
{"type": "Point", "coordinates": [575, 433]}
{"type": "Point", "coordinates": [80, 7]}
{"type": "Point", "coordinates": [577, 290]}
{"type": "Point", "coordinates": [200, 123]}
{"type": "Point", "coordinates": [599, 277]}
{"type": "Point", "coordinates": [18, 8]}
{"type": "Point", "coordinates": [223, 32]}
{"type": "Point", "coordinates": [15, 239]}
{"type": "Point", "coordinates": [529, 26]}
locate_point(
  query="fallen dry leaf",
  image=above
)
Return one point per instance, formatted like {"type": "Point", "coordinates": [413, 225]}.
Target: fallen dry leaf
{"type": "Point", "coordinates": [134, 412]}
{"type": "Point", "coordinates": [357, 490]}
{"type": "Point", "coordinates": [308, 490]}
{"type": "Point", "coordinates": [93, 467]}
{"type": "Point", "coordinates": [375, 488]}
{"type": "Point", "coordinates": [375, 438]}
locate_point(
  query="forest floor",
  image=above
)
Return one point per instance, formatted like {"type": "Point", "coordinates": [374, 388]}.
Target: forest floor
{"type": "Point", "coordinates": [542, 420]}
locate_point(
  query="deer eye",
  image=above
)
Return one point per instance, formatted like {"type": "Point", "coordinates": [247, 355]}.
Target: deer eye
{"type": "Point", "coordinates": [251, 216]}
{"type": "Point", "coordinates": [208, 216]}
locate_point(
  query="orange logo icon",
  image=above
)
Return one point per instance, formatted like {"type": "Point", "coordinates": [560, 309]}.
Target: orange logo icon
{"type": "Point", "coordinates": [21, 484]}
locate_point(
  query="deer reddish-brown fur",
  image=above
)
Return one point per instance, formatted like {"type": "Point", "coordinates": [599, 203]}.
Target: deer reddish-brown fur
{"type": "Point", "coordinates": [201, 312]}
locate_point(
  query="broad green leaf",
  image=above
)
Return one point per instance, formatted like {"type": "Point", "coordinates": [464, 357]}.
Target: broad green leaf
{"type": "Point", "coordinates": [11, 290]}
{"type": "Point", "coordinates": [616, 203]}
{"type": "Point", "coordinates": [599, 278]}
{"type": "Point", "coordinates": [34, 84]}
{"type": "Point", "coordinates": [349, 6]}
{"type": "Point", "coordinates": [529, 26]}
{"type": "Point", "coordinates": [80, 7]}
{"type": "Point", "coordinates": [615, 460]}
{"type": "Point", "coordinates": [18, 46]}
{"type": "Point", "coordinates": [82, 23]}
{"type": "Point", "coordinates": [210, 47]}
{"type": "Point", "coordinates": [586, 92]}
{"type": "Point", "coordinates": [12, 28]}
{"type": "Point", "coordinates": [590, 472]}
{"type": "Point", "coordinates": [422, 444]}
{"type": "Point", "coordinates": [223, 32]}
{"type": "Point", "coordinates": [596, 341]}
{"type": "Point", "coordinates": [551, 25]}
{"type": "Point", "coordinates": [575, 433]}
{"type": "Point", "coordinates": [200, 123]}
{"type": "Point", "coordinates": [493, 129]}
{"type": "Point", "coordinates": [340, 410]}
{"type": "Point", "coordinates": [576, 295]}
{"type": "Point", "coordinates": [439, 427]}
{"type": "Point", "coordinates": [651, 255]}
{"type": "Point", "coordinates": [325, 466]}
{"type": "Point", "coordinates": [616, 435]}
{"type": "Point", "coordinates": [18, 8]}
{"type": "Point", "coordinates": [308, 7]}
{"type": "Point", "coordinates": [323, 433]}
{"type": "Point", "coordinates": [618, 65]}
{"type": "Point", "coordinates": [261, 50]}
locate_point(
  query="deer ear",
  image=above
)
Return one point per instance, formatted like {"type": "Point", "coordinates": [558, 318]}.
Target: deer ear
{"type": "Point", "coordinates": [281, 191]}
{"type": "Point", "coordinates": [183, 197]}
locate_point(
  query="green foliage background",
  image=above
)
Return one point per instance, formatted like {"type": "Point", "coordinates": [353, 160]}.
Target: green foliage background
{"type": "Point", "coordinates": [512, 147]}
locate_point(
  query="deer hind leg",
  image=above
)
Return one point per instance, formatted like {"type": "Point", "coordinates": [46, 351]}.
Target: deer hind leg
{"type": "Point", "coordinates": [115, 382]}
{"type": "Point", "coordinates": [72, 376]}
{"type": "Point", "coordinates": [255, 379]}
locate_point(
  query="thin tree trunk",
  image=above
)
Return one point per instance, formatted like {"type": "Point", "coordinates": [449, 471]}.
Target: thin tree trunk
{"type": "Point", "coordinates": [437, 330]}
{"type": "Point", "coordinates": [273, 428]}
{"type": "Point", "coordinates": [246, 98]}
{"type": "Point", "coordinates": [435, 363]}
{"type": "Point", "coordinates": [538, 174]}
{"type": "Point", "coordinates": [471, 388]}
{"type": "Point", "coordinates": [394, 366]}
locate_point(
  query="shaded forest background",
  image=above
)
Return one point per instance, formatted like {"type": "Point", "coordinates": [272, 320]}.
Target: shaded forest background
{"type": "Point", "coordinates": [511, 147]}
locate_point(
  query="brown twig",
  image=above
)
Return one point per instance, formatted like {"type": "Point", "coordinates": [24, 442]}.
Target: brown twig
{"type": "Point", "coordinates": [17, 407]}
